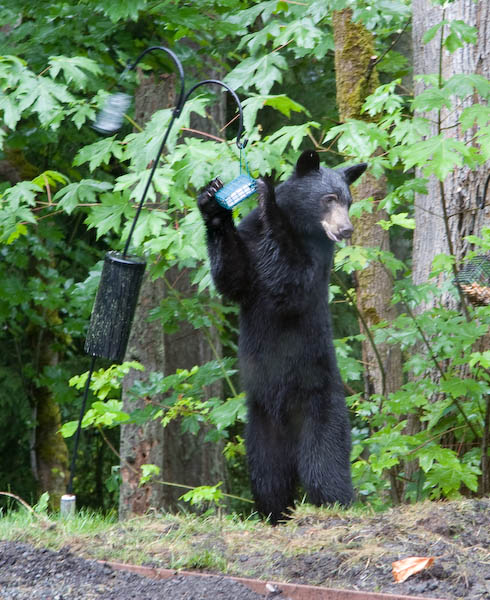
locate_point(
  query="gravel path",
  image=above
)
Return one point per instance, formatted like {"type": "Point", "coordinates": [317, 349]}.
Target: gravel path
{"type": "Point", "coordinates": [30, 574]}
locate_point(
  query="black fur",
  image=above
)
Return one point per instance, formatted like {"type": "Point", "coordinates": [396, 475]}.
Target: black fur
{"type": "Point", "coordinates": [276, 265]}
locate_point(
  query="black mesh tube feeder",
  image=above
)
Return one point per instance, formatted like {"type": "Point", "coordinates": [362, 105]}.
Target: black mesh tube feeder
{"type": "Point", "coordinates": [122, 273]}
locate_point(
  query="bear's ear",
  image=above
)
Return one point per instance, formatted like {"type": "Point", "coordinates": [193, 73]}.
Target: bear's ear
{"type": "Point", "coordinates": [307, 162]}
{"type": "Point", "coordinates": [352, 173]}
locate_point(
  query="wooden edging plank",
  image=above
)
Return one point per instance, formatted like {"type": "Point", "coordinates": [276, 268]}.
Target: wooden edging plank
{"type": "Point", "coordinates": [295, 591]}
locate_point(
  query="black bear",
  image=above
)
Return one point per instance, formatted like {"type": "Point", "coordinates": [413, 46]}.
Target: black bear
{"type": "Point", "coordinates": [276, 265]}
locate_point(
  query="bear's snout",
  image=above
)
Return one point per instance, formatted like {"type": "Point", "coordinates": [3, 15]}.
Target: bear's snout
{"type": "Point", "coordinates": [337, 224]}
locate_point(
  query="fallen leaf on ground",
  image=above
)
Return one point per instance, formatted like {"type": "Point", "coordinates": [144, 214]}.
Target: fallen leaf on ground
{"type": "Point", "coordinates": [402, 569]}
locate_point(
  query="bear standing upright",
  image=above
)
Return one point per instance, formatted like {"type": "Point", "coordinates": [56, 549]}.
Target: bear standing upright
{"type": "Point", "coordinates": [276, 265]}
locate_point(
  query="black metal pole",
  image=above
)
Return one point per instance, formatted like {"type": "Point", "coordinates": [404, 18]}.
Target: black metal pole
{"type": "Point", "coordinates": [176, 113]}
{"type": "Point", "coordinates": [147, 185]}
{"type": "Point", "coordinates": [79, 427]}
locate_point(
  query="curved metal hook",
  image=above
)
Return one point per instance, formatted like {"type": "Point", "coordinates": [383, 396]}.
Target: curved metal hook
{"type": "Point", "coordinates": [239, 144]}
{"type": "Point", "coordinates": [183, 97]}
{"type": "Point", "coordinates": [176, 113]}
{"type": "Point", "coordinates": [180, 69]}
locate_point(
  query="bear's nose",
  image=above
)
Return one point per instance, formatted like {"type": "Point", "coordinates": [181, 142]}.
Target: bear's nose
{"type": "Point", "coordinates": [346, 232]}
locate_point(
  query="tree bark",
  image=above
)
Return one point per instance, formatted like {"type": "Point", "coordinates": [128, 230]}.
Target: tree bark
{"type": "Point", "coordinates": [182, 457]}
{"type": "Point", "coordinates": [464, 185]}
{"type": "Point", "coordinates": [459, 197]}
{"type": "Point", "coordinates": [356, 78]}
{"type": "Point", "coordinates": [50, 456]}
{"type": "Point", "coordinates": [142, 444]}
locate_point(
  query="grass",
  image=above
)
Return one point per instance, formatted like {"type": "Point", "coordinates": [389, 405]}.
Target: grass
{"type": "Point", "coordinates": [216, 543]}
{"type": "Point", "coordinates": [183, 541]}
{"type": "Point", "coordinates": [326, 546]}
{"type": "Point", "coordinates": [171, 541]}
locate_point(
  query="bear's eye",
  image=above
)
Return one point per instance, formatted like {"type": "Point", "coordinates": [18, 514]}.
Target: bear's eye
{"type": "Point", "coordinates": [331, 197]}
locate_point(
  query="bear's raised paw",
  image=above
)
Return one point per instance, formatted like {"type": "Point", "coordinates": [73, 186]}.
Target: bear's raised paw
{"type": "Point", "coordinates": [211, 210]}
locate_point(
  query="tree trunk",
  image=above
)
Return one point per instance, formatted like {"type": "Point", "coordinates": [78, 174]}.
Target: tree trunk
{"type": "Point", "coordinates": [187, 458]}
{"type": "Point", "coordinates": [51, 450]}
{"type": "Point", "coordinates": [356, 79]}
{"type": "Point", "coordinates": [142, 444]}
{"type": "Point", "coordinates": [459, 196]}
{"type": "Point", "coordinates": [463, 186]}
{"type": "Point", "coordinates": [182, 457]}
{"type": "Point", "coordinates": [50, 457]}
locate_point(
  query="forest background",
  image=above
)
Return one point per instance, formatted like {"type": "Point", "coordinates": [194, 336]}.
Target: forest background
{"type": "Point", "coordinates": [403, 86]}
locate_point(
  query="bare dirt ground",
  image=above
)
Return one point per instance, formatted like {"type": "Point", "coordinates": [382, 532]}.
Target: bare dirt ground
{"type": "Point", "coordinates": [338, 549]}
{"type": "Point", "coordinates": [27, 573]}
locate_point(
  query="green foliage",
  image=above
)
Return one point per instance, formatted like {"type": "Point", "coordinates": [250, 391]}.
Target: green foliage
{"type": "Point", "coordinates": [204, 494]}
{"type": "Point", "coordinates": [77, 193]}
{"type": "Point", "coordinates": [451, 411]}
{"type": "Point", "coordinates": [148, 472]}
{"type": "Point", "coordinates": [405, 133]}
{"type": "Point", "coordinates": [460, 33]}
{"type": "Point", "coordinates": [176, 396]}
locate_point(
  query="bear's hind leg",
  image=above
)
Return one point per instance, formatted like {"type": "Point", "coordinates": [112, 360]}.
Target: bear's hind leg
{"type": "Point", "coordinates": [324, 459]}
{"type": "Point", "coordinates": [271, 457]}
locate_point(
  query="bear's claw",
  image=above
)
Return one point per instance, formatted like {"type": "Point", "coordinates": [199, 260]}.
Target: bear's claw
{"type": "Point", "coordinates": [209, 207]}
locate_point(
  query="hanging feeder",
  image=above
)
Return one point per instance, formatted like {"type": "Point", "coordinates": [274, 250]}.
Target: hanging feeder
{"type": "Point", "coordinates": [110, 118]}
{"type": "Point", "coordinates": [239, 189]}
{"type": "Point", "coordinates": [115, 303]}
{"type": "Point", "coordinates": [474, 279]}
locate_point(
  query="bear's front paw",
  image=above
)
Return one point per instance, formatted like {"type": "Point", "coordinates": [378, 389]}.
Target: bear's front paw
{"type": "Point", "coordinates": [267, 199]}
{"type": "Point", "coordinates": [211, 210]}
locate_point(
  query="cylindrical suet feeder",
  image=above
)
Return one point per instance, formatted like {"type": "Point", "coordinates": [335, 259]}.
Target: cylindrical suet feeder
{"type": "Point", "coordinates": [115, 303]}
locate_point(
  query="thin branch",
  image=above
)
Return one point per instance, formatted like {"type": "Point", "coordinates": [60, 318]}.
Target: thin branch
{"type": "Point", "coordinates": [133, 123]}
{"type": "Point", "coordinates": [433, 358]}
{"type": "Point", "coordinates": [367, 330]}
{"type": "Point", "coordinates": [229, 123]}
{"type": "Point", "coordinates": [373, 63]}
{"type": "Point", "coordinates": [462, 297]}
{"type": "Point", "coordinates": [203, 133]}
{"type": "Point", "coordinates": [485, 443]}
{"type": "Point", "coordinates": [435, 437]}
{"type": "Point", "coordinates": [19, 499]}
{"type": "Point", "coordinates": [48, 189]}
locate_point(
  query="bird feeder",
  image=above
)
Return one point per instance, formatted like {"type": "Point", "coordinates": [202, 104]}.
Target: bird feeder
{"type": "Point", "coordinates": [474, 279]}
{"type": "Point", "coordinates": [115, 304]}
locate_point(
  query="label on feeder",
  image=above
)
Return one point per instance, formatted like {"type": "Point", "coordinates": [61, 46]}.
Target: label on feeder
{"type": "Point", "coordinates": [236, 191]}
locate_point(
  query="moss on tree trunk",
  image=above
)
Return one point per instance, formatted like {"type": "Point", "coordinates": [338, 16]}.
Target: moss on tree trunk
{"type": "Point", "coordinates": [355, 75]}
{"type": "Point", "coordinates": [356, 78]}
{"type": "Point", "coordinates": [51, 450]}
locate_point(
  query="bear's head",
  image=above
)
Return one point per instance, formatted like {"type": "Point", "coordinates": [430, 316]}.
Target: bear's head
{"type": "Point", "coordinates": [317, 199]}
